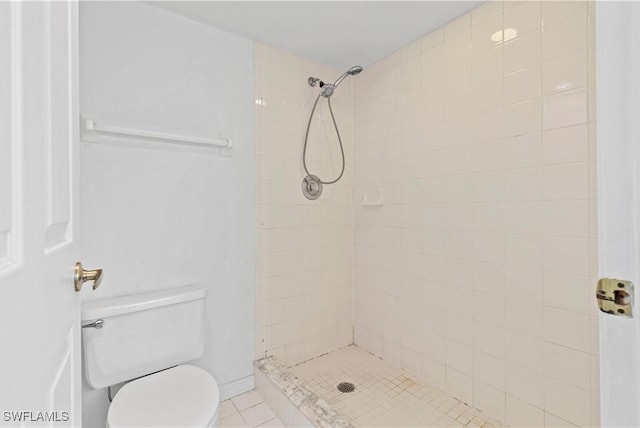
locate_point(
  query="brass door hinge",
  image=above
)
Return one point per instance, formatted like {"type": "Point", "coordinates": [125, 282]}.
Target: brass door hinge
{"type": "Point", "coordinates": [615, 297]}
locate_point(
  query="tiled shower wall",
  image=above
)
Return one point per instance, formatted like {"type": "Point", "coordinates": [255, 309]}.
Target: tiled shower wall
{"type": "Point", "coordinates": [304, 248]}
{"type": "Point", "coordinates": [477, 272]}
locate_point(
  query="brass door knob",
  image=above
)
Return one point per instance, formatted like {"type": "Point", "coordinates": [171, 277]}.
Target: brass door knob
{"type": "Point", "coordinates": [81, 276]}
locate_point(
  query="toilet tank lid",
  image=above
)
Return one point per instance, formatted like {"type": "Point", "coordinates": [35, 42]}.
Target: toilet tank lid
{"type": "Point", "coordinates": [139, 302]}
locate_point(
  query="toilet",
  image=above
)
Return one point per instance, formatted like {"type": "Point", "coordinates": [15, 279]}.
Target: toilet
{"type": "Point", "coordinates": [145, 340]}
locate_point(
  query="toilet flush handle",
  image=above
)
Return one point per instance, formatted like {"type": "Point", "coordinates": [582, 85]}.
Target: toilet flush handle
{"type": "Point", "coordinates": [94, 324]}
{"type": "Point", "coordinates": [82, 275]}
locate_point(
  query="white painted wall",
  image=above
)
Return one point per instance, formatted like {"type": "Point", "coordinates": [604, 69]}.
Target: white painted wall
{"type": "Point", "coordinates": [156, 216]}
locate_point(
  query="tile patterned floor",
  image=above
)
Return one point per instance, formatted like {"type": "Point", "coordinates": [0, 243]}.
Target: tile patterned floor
{"type": "Point", "coordinates": [385, 396]}
{"type": "Point", "coordinates": [247, 411]}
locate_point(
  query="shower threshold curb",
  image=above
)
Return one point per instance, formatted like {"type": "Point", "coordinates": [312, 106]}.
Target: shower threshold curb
{"type": "Point", "coordinates": [314, 408]}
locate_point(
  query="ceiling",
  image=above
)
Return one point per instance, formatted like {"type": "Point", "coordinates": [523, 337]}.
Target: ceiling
{"type": "Point", "coordinates": [335, 33]}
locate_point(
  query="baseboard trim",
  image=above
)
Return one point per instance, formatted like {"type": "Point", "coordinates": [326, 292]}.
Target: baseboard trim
{"type": "Point", "coordinates": [237, 387]}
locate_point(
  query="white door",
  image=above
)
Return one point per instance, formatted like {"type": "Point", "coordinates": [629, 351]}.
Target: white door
{"type": "Point", "coordinates": [39, 309]}
{"type": "Point", "coordinates": [618, 121]}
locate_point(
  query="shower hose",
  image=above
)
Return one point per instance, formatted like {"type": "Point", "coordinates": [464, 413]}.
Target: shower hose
{"type": "Point", "coordinates": [306, 138]}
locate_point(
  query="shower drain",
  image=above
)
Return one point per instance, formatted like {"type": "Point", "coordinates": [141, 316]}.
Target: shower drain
{"type": "Point", "coordinates": [346, 387]}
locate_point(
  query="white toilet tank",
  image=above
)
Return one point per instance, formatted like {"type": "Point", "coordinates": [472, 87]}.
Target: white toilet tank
{"type": "Point", "coordinates": [142, 333]}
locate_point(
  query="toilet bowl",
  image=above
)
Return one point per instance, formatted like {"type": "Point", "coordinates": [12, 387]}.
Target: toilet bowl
{"type": "Point", "coordinates": [144, 340]}
{"type": "Point", "coordinates": [182, 396]}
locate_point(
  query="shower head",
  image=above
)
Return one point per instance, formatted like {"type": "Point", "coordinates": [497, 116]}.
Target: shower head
{"type": "Point", "coordinates": [356, 69]}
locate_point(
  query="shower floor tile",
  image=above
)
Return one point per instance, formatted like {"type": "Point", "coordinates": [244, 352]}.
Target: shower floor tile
{"type": "Point", "coordinates": [384, 396]}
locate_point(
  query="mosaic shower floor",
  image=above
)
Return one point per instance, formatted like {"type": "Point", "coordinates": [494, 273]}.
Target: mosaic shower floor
{"type": "Point", "coordinates": [384, 396]}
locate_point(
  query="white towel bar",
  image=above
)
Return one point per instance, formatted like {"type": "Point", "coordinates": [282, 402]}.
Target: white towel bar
{"type": "Point", "coordinates": [90, 126]}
